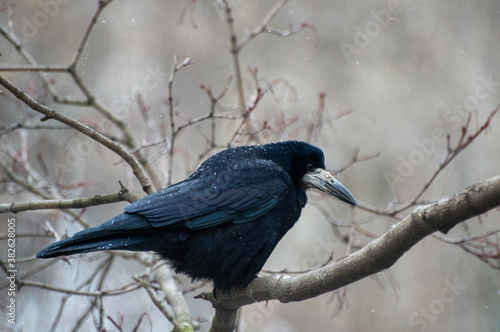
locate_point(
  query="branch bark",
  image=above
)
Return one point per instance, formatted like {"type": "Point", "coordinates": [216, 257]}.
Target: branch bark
{"type": "Point", "coordinates": [377, 256]}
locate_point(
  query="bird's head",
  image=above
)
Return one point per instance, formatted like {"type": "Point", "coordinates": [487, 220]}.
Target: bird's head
{"type": "Point", "coordinates": [306, 165]}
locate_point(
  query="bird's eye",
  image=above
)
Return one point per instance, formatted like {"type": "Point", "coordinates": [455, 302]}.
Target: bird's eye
{"type": "Point", "coordinates": [310, 167]}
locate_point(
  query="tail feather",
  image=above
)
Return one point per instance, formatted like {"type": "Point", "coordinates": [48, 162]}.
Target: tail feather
{"type": "Point", "coordinates": [122, 232]}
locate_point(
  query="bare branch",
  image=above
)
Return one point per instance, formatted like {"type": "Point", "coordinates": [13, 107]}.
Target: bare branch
{"type": "Point", "coordinates": [224, 319]}
{"type": "Point", "coordinates": [110, 292]}
{"type": "Point", "coordinates": [86, 35]}
{"type": "Point", "coordinates": [13, 127]}
{"type": "Point", "coordinates": [293, 30]}
{"type": "Point", "coordinates": [175, 68]}
{"type": "Point", "coordinates": [188, 9]}
{"type": "Point", "coordinates": [233, 39]}
{"type": "Point", "coordinates": [355, 158]}
{"type": "Point", "coordinates": [154, 298]}
{"type": "Point", "coordinates": [480, 246]}
{"type": "Point", "coordinates": [263, 27]}
{"type": "Point", "coordinates": [15, 179]}
{"type": "Point", "coordinates": [463, 142]}
{"type": "Point", "coordinates": [79, 203]}
{"type": "Point", "coordinates": [14, 41]}
{"type": "Point", "coordinates": [84, 129]}
{"type": "Point", "coordinates": [174, 297]}
{"type": "Point", "coordinates": [42, 68]}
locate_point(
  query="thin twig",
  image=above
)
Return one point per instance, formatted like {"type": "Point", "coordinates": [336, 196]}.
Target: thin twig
{"type": "Point", "coordinates": [17, 180]}
{"type": "Point", "coordinates": [463, 142]}
{"type": "Point", "coordinates": [110, 292]}
{"type": "Point", "coordinates": [174, 133]}
{"type": "Point", "coordinates": [263, 27]}
{"type": "Point", "coordinates": [147, 286]}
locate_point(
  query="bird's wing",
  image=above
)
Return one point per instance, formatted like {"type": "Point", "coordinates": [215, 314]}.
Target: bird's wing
{"type": "Point", "coordinates": [241, 192]}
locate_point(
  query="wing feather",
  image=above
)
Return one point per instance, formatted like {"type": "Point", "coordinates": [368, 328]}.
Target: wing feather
{"type": "Point", "coordinates": [239, 194]}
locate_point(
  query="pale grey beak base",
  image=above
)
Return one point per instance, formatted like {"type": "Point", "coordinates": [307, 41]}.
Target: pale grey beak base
{"type": "Point", "coordinates": [324, 181]}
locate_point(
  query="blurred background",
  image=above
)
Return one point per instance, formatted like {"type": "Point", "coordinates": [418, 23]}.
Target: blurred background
{"type": "Point", "coordinates": [410, 72]}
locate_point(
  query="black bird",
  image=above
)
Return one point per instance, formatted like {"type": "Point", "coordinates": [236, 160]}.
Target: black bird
{"type": "Point", "coordinates": [223, 221]}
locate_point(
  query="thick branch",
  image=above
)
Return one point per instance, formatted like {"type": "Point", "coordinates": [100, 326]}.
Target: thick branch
{"type": "Point", "coordinates": [224, 320]}
{"type": "Point", "coordinates": [377, 256]}
{"type": "Point", "coordinates": [183, 321]}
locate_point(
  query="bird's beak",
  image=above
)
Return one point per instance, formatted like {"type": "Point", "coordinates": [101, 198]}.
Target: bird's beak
{"type": "Point", "coordinates": [324, 181]}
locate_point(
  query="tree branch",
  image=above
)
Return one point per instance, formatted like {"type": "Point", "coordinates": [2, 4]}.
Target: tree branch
{"type": "Point", "coordinates": [183, 321]}
{"type": "Point", "coordinates": [79, 203]}
{"type": "Point", "coordinates": [84, 129]}
{"type": "Point", "coordinates": [377, 256]}
{"type": "Point", "coordinates": [43, 68]}
{"type": "Point", "coordinates": [111, 292]}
